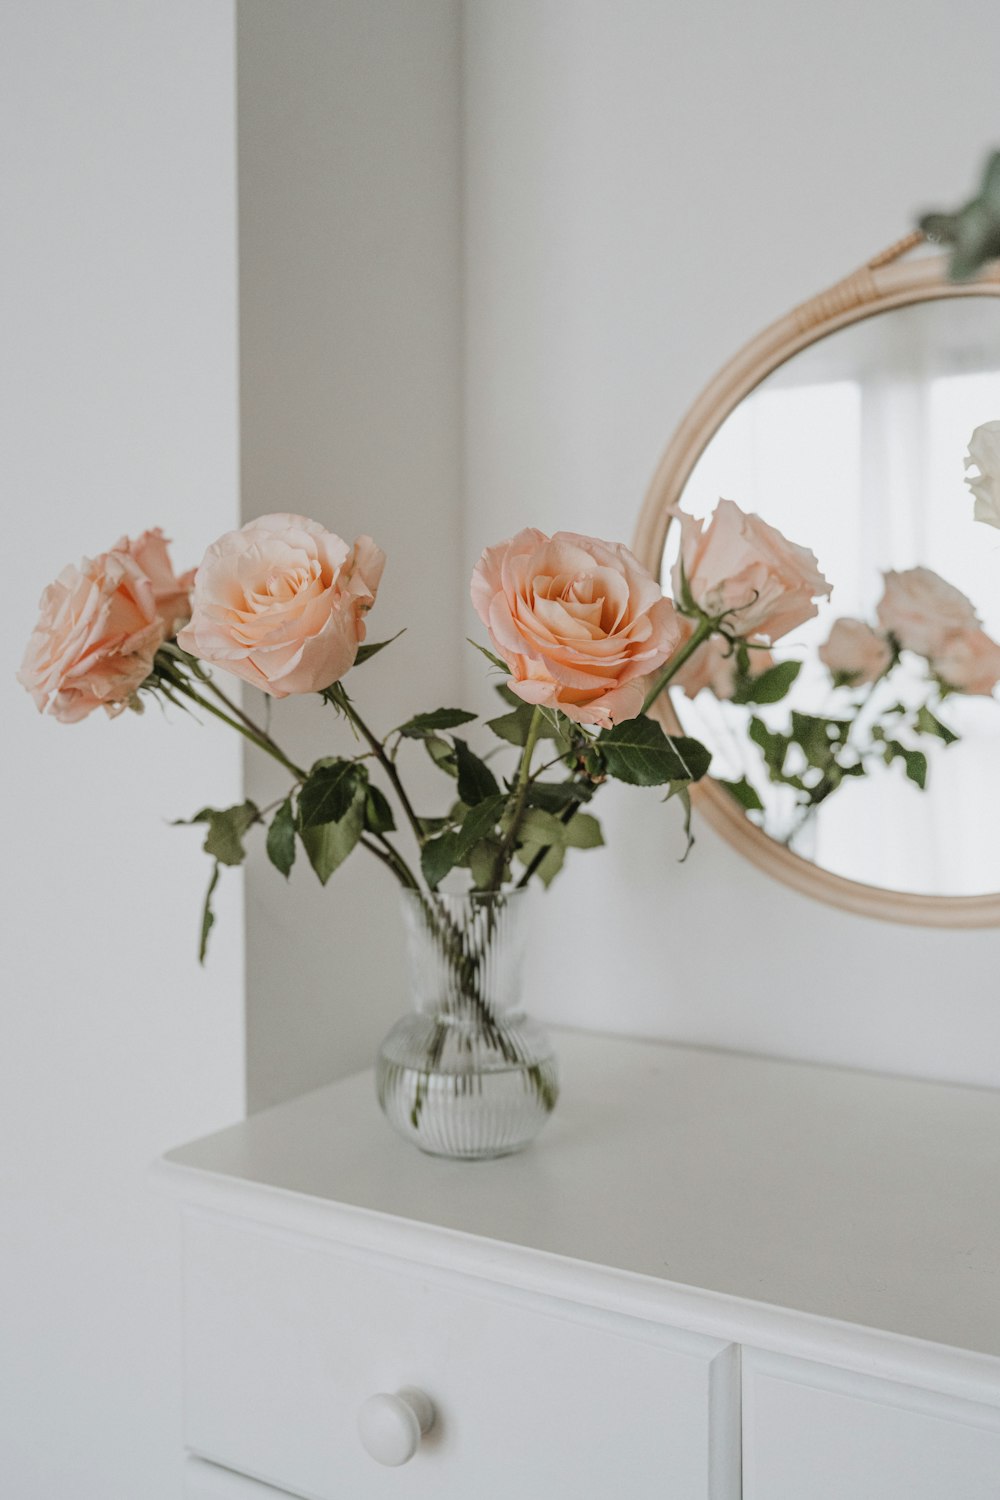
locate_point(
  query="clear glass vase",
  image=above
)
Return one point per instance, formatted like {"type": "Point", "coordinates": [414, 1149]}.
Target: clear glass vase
{"type": "Point", "coordinates": [467, 1074]}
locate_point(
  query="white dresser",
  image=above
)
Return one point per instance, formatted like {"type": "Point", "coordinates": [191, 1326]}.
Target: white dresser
{"type": "Point", "coordinates": [712, 1276]}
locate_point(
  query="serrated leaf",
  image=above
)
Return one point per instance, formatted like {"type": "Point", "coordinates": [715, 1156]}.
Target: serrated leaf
{"type": "Point", "coordinates": [329, 844]}
{"type": "Point", "coordinates": [554, 796]}
{"type": "Point", "coordinates": [495, 660]}
{"type": "Point", "coordinates": [770, 687]}
{"type": "Point", "coordinates": [366, 652]}
{"type": "Point", "coordinates": [207, 914]}
{"type": "Point", "coordinates": [582, 832]}
{"type": "Point", "coordinates": [440, 718]}
{"type": "Point", "coordinates": [328, 792]}
{"type": "Point", "coordinates": [743, 793]}
{"type": "Point", "coordinates": [512, 727]}
{"type": "Point", "coordinates": [682, 791]}
{"type": "Point", "coordinates": [475, 779]}
{"type": "Point", "coordinates": [639, 753]}
{"type": "Point", "coordinates": [226, 827]}
{"type": "Point", "coordinates": [281, 838]}
{"type": "Point", "coordinates": [480, 821]}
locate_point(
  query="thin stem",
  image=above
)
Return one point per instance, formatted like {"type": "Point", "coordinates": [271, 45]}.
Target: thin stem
{"type": "Point", "coordinates": [264, 743]}
{"type": "Point", "coordinates": [378, 750]}
{"type": "Point", "coordinates": [704, 629]}
{"type": "Point", "coordinates": [516, 812]}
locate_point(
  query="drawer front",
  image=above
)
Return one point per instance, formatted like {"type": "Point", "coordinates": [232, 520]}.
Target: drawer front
{"type": "Point", "coordinates": [208, 1482]}
{"type": "Point", "coordinates": [816, 1433]}
{"type": "Point", "coordinates": [285, 1338]}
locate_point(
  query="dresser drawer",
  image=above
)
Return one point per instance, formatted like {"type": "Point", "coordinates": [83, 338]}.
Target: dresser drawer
{"type": "Point", "coordinates": [815, 1433]}
{"type": "Point", "coordinates": [286, 1337]}
{"type": "Point", "coordinates": [208, 1482]}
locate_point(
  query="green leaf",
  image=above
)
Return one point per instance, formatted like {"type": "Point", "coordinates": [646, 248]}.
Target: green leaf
{"type": "Point", "coordinates": [366, 652]}
{"type": "Point", "coordinates": [281, 838]}
{"type": "Point", "coordinates": [638, 752]}
{"type": "Point", "coordinates": [513, 727]}
{"type": "Point", "coordinates": [479, 822]}
{"type": "Point", "coordinates": [915, 762]}
{"type": "Point", "coordinates": [438, 857]}
{"type": "Point", "coordinates": [583, 832]}
{"type": "Point", "coordinates": [441, 718]}
{"type": "Point", "coordinates": [482, 860]}
{"type": "Point", "coordinates": [329, 791]}
{"type": "Point", "coordinates": [543, 829]}
{"type": "Point", "coordinates": [442, 753]}
{"type": "Point", "coordinates": [682, 791]}
{"type": "Point", "coordinates": [475, 779]}
{"type": "Point", "coordinates": [207, 914]}
{"type": "Point", "coordinates": [554, 796]}
{"type": "Point", "coordinates": [745, 794]}
{"type": "Point", "coordinates": [378, 812]}
{"type": "Point", "coordinates": [489, 656]}
{"type": "Point", "coordinates": [926, 723]}
{"type": "Point", "coordinates": [770, 687]}
{"type": "Point", "coordinates": [551, 865]}
{"type": "Point", "coordinates": [225, 833]}
{"type": "Point", "coordinates": [329, 844]}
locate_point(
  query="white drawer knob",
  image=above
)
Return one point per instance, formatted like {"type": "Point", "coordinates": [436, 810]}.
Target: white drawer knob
{"type": "Point", "coordinates": [391, 1426]}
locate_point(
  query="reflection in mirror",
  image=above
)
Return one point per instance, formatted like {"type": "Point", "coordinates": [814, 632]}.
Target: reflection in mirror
{"type": "Point", "coordinates": [856, 446]}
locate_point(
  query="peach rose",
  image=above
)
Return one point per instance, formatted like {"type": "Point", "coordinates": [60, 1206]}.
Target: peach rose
{"type": "Point", "coordinates": [920, 610]}
{"type": "Point", "coordinates": [743, 571]}
{"type": "Point", "coordinates": [98, 630]}
{"type": "Point", "coordinates": [713, 666]}
{"type": "Point", "coordinates": [969, 662]}
{"type": "Point", "coordinates": [579, 622]}
{"type": "Point", "coordinates": [984, 454]}
{"type": "Point", "coordinates": [855, 653]}
{"type": "Point", "coordinates": [172, 594]}
{"type": "Point", "coordinates": [281, 603]}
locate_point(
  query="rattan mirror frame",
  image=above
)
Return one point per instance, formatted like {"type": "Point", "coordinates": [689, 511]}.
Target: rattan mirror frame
{"type": "Point", "coordinates": [895, 278]}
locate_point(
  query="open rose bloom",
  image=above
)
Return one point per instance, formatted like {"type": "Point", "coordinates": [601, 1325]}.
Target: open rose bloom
{"type": "Point", "coordinates": [579, 622]}
{"type": "Point", "coordinates": [282, 604]}
{"type": "Point", "coordinates": [744, 572]}
{"type": "Point", "coordinates": [855, 653]}
{"type": "Point", "coordinates": [100, 626]}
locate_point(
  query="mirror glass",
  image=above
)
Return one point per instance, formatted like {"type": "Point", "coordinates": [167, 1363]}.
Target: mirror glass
{"type": "Point", "coordinates": [855, 448]}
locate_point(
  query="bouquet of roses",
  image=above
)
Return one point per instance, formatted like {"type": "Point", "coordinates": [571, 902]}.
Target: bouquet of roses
{"type": "Point", "coordinates": [581, 631]}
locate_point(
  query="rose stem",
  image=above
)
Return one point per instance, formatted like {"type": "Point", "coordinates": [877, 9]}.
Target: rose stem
{"type": "Point", "coordinates": [704, 629]}
{"type": "Point", "coordinates": [378, 751]}
{"type": "Point", "coordinates": [520, 794]}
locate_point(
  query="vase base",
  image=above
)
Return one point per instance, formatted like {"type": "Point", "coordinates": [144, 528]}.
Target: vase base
{"type": "Point", "coordinates": [464, 1113]}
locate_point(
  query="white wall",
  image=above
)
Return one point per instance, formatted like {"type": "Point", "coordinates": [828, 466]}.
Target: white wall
{"type": "Point", "coordinates": [118, 411]}
{"type": "Point", "coordinates": [350, 302]}
{"type": "Point", "coordinates": [646, 186]}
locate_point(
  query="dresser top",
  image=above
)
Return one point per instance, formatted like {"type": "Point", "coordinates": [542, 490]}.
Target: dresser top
{"type": "Point", "coordinates": [844, 1195]}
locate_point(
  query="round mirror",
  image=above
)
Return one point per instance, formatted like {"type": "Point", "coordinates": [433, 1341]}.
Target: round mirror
{"type": "Point", "coordinates": [845, 426]}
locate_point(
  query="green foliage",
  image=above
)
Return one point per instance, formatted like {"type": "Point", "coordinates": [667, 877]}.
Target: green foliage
{"type": "Point", "coordinates": [366, 652]}
{"type": "Point", "coordinates": [973, 231]}
{"type": "Point", "coordinates": [207, 914]}
{"type": "Point", "coordinates": [329, 844]}
{"type": "Point", "coordinates": [555, 796]}
{"type": "Point", "coordinates": [329, 790]}
{"type": "Point", "coordinates": [378, 812]}
{"type": "Point", "coordinates": [493, 660]}
{"type": "Point", "coordinates": [927, 723]}
{"type": "Point", "coordinates": [640, 753]}
{"type": "Point", "coordinates": [453, 846]}
{"type": "Point", "coordinates": [745, 794]}
{"type": "Point", "coordinates": [422, 725]}
{"type": "Point", "coordinates": [475, 779]}
{"type": "Point", "coordinates": [582, 832]}
{"type": "Point", "coordinates": [769, 687]}
{"type": "Point", "coordinates": [281, 838]}
{"type": "Point", "coordinates": [682, 791]}
{"type": "Point", "coordinates": [442, 753]}
{"type": "Point", "coordinates": [226, 829]}
{"type": "Point", "coordinates": [513, 727]}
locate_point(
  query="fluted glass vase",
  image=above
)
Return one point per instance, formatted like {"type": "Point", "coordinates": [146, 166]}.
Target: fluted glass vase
{"type": "Point", "coordinates": [467, 1074]}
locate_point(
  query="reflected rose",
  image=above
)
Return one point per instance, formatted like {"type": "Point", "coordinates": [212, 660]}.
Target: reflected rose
{"type": "Point", "coordinates": [855, 653]}
{"type": "Point", "coordinates": [984, 454]}
{"type": "Point", "coordinates": [713, 666]}
{"type": "Point", "coordinates": [920, 609]}
{"type": "Point", "coordinates": [742, 569]}
{"type": "Point", "coordinates": [969, 662]}
{"type": "Point", "coordinates": [579, 622]}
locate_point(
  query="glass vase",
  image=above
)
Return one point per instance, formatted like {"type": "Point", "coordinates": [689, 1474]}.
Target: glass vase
{"type": "Point", "coordinates": [467, 1074]}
